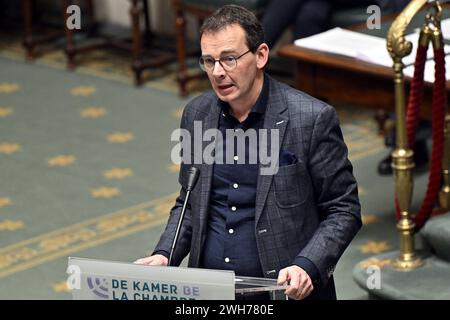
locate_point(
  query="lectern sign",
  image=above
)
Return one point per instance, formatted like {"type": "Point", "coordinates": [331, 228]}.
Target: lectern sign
{"type": "Point", "coordinates": [107, 280]}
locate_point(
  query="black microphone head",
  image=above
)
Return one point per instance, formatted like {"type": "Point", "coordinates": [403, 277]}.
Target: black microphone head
{"type": "Point", "coordinates": [194, 172]}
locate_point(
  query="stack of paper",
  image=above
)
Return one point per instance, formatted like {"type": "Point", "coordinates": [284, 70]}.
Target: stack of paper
{"type": "Point", "coordinates": [365, 47]}
{"type": "Point", "coordinates": [349, 43]}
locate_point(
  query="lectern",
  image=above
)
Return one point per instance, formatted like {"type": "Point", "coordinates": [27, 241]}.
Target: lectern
{"type": "Point", "coordinates": [92, 279]}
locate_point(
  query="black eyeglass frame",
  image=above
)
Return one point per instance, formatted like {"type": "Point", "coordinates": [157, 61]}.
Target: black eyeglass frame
{"type": "Point", "coordinates": [226, 68]}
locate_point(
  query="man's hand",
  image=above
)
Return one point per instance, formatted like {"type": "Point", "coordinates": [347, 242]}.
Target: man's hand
{"type": "Point", "coordinates": [155, 260]}
{"type": "Point", "coordinates": [300, 284]}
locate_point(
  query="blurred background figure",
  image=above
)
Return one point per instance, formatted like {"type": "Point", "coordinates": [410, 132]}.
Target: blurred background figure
{"type": "Point", "coordinates": [308, 17]}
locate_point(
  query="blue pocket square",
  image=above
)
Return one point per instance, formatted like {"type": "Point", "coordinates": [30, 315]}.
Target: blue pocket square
{"type": "Point", "coordinates": [287, 158]}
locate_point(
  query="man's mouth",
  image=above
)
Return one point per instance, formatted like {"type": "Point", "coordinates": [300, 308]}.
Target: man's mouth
{"type": "Point", "coordinates": [224, 86]}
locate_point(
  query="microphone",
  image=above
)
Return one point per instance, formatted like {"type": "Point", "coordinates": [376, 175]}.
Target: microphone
{"type": "Point", "coordinates": [192, 180]}
{"type": "Point", "coordinates": [193, 177]}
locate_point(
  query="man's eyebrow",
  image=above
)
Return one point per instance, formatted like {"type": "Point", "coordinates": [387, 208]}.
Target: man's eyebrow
{"type": "Point", "coordinates": [228, 52]}
{"type": "Point", "coordinates": [222, 53]}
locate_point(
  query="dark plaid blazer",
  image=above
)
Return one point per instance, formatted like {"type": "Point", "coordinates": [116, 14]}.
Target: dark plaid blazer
{"type": "Point", "coordinates": [309, 208]}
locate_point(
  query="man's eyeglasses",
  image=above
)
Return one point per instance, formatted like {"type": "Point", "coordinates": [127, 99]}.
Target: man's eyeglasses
{"type": "Point", "coordinates": [228, 63]}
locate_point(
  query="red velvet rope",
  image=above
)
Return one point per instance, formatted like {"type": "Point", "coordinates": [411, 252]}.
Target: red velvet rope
{"type": "Point", "coordinates": [438, 108]}
{"type": "Point", "coordinates": [415, 95]}
{"type": "Point", "coordinates": [438, 121]}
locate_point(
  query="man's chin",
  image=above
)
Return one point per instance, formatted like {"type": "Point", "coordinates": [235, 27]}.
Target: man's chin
{"type": "Point", "coordinates": [225, 97]}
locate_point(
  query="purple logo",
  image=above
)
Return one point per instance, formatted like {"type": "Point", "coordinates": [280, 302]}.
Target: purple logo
{"type": "Point", "coordinates": [99, 287]}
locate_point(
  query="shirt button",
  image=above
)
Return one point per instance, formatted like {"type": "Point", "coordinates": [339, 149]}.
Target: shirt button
{"type": "Point", "coordinates": [235, 185]}
{"type": "Point", "coordinates": [236, 158]}
{"type": "Point", "coordinates": [227, 260]}
{"type": "Point", "coordinates": [233, 208]}
{"type": "Point", "coordinates": [231, 231]}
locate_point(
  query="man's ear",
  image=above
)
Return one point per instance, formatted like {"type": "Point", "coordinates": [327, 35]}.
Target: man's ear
{"type": "Point", "coordinates": [262, 55]}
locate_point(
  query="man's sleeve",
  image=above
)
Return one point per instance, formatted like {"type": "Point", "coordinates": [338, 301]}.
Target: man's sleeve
{"type": "Point", "coordinates": [336, 195]}
{"type": "Point", "coordinates": [309, 268]}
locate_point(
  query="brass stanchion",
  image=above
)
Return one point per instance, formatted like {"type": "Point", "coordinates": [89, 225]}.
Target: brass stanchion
{"type": "Point", "coordinates": [403, 164]}
{"type": "Point", "coordinates": [444, 194]}
{"type": "Point", "coordinates": [402, 156]}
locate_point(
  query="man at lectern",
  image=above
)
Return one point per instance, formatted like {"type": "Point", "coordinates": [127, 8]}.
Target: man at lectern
{"type": "Point", "coordinates": [278, 199]}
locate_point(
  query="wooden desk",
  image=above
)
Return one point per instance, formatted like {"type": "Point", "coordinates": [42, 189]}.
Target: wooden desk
{"type": "Point", "coordinates": [341, 79]}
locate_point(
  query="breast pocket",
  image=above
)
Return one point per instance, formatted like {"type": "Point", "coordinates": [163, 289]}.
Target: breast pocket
{"type": "Point", "coordinates": [291, 185]}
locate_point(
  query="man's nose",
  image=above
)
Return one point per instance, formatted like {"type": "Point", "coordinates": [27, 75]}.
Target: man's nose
{"type": "Point", "coordinates": [218, 70]}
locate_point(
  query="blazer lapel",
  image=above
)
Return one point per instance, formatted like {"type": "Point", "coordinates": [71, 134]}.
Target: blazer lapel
{"type": "Point", "coordinates": [276, 118]}
{"type": "Point", "coordinates": [211, 121]}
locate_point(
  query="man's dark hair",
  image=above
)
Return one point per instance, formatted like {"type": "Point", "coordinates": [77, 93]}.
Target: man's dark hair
{"type": "Point", "coordinates": [233, 14]}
